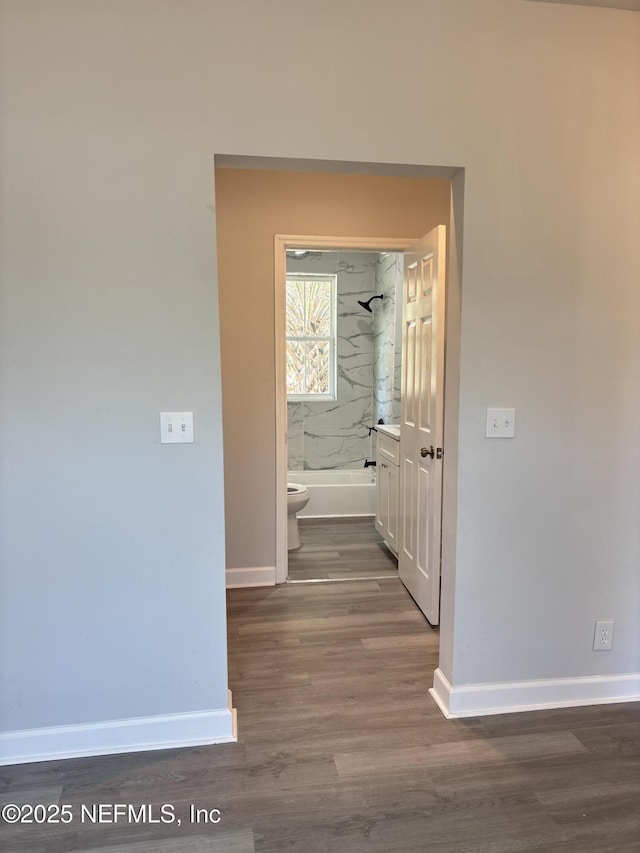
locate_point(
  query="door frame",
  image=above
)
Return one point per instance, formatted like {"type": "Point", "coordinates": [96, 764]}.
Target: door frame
{"type": "Point", "coordinates": [283, 242]}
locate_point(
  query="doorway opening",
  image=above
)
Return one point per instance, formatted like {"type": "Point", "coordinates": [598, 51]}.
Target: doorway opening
{"type": "Point", "coordinates": [343, 340]}
{"type": "Point", "coordinates": [262, 197]}
{"type": "Point", "coordinates": [356, 262]}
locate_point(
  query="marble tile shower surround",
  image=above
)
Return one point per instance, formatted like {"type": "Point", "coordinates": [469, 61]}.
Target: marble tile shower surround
{"type": "Point", "coordinates": [387, 338]}
{"type": "Point", "coordinates": [329, 435]}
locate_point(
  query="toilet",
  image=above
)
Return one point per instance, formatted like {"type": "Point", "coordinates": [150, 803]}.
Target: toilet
{"type": "Point", "coordinates": [297, 499]}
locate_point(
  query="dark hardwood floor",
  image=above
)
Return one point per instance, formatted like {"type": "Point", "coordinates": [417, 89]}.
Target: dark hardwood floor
{"type": "Point", "coordinates": [339, 549]}
{"type": "Point", "coordinates": [341, 750]}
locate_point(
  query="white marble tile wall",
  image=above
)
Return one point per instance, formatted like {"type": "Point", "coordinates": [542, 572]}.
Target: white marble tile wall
{"type": "Point", "coordinates": [329, 435]}
{"type": "Point", "coordinates": [387, 339]}
{"type": "Point", "coordinates": [397, 358]}
{"type": "Point", "coordinates": [295, 436]}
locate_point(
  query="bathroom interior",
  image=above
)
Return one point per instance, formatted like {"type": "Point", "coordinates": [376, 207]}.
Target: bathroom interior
{"type": "Point", "coordinates": [344, 336]}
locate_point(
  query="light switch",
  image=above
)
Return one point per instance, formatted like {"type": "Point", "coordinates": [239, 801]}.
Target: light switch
{"type": "Point", "coordinates": [176, 427]}
{"type": "Point", "coordinates": [501, 423]}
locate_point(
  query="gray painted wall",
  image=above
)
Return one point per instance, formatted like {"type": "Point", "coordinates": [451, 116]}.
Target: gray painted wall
{"type": "Point", "coordinates": [112, 599]}
{"type": "Point", "coordinates": [112, 546]}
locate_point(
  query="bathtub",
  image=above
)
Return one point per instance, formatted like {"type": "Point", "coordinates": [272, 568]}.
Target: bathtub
{"type": "Point", "coordinates": [337, 493]}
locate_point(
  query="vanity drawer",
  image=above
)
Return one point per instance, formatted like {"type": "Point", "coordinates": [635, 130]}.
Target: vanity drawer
{"type": "Point", "coordinates": [389, 448]}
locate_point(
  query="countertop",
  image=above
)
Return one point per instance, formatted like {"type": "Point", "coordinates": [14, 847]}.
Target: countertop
{"type": "Point", "coordinates": [391, 430]}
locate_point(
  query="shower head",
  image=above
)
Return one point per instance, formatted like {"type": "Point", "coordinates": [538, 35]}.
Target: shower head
{"type": "Point", "coordinates": [367, 305]}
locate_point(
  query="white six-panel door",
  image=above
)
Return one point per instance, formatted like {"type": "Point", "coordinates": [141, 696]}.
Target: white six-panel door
{"type": "Point", "coordinates": [421, 428]}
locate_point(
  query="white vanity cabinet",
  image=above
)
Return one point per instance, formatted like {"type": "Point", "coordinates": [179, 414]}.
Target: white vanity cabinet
{"type": "Point", "coordinates": [387, 484]}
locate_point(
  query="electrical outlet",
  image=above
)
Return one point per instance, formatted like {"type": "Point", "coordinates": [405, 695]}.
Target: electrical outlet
{"type": "Point", "coordinates": [603, 637]}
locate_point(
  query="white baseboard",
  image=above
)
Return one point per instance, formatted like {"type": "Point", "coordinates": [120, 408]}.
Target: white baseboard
{"type": "Point", "coordinates": [139, 734]}
{"type": "Point", "coordinates": [477, 700]}
{"type": "Point", "coordinates": [253, 576]}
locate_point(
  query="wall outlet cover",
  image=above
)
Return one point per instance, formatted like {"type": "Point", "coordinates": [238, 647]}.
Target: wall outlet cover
{"type": "Point", "coordinates": [501, 423]}
{"type": "Point", "coordinates": [176, 427]}
{"type": "Point", "coordinates": [603, 637]}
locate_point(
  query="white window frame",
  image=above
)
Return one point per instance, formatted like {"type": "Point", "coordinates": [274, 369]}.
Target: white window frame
{"type": "Point", "coordinates": [332, 339]}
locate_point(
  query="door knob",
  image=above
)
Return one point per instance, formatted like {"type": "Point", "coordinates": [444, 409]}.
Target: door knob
{"type": "Point", "coordinates": [428, 452]}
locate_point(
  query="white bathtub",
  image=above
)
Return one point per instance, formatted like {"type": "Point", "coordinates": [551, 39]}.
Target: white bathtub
{"type": "Point", "coordinates": [337, 493]}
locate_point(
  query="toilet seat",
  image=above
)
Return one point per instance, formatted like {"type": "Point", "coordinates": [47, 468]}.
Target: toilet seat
{"type": "Point", "coordinates": [295, 489]}
{"type": "Point", "coordinates": [297, 499]}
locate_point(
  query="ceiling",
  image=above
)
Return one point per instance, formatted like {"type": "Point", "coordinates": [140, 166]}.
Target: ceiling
{"type": "Point", "coordinates": [611, 4]}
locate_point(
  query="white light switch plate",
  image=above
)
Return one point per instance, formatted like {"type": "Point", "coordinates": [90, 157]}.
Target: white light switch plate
{"type": "Point", "coordinates": [501, 423]}
{"type": "Point", "coordinates": [176, 427]}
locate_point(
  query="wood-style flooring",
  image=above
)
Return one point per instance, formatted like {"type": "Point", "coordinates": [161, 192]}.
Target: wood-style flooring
{"type": "Point", "coordinates": [339, 549]}
{"type": "Point", "coordinates": [341, 750]}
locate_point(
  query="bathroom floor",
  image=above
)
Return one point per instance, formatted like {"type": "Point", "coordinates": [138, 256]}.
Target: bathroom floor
{"type": "Point", "coordinates": [340, 549]}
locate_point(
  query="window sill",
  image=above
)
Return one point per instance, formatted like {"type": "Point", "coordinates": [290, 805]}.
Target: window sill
{"type": "Point", "coordinates": [311, 398]}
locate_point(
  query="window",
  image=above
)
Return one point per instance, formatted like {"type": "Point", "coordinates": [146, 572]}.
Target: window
{"type": "Point", "coordinates": [311, 337]}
